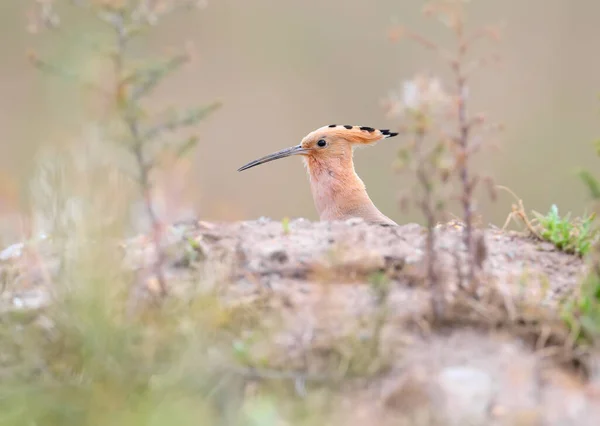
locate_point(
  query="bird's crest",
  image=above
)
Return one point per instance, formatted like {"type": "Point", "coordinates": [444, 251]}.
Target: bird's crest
{"type": "Point", "coordinates": [354, 134]}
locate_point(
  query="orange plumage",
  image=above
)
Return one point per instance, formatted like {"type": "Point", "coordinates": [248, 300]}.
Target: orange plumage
{"type": "Point", "coordinates": [337, 191]}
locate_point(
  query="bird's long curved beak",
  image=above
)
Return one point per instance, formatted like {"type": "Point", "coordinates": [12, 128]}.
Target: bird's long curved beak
{"type": "Point", "coordinates": [295, 150]}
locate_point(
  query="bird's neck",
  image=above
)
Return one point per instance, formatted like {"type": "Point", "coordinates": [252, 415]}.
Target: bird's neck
{"type": "Point", "coordinates": [338, 192]}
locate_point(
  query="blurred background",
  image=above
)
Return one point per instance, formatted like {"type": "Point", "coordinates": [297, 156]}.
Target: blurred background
{"type": "Point", "coordinates": [282, 69]}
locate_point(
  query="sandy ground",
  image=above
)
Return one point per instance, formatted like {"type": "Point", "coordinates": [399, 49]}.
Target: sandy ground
{"type": "Point", "coordinates": [350, 300]}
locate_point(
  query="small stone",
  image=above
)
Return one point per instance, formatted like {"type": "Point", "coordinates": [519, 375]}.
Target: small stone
{"type": "Point", "coordinates": [524, 417]}
{"type": "Point", "coordinates": [499, 411]}
{"type": "Point", "coordinates": [45, 323]}
{"type": "Point", "coordinates": [414, 257]}
{"type": "Point", "coordinates": [279, 256]}
{"type": "Point", "coordinates": [205, 225]}
{"type": "Point", "coordinates": [409, 394]}
{"type": "Point", "coordinates": [467, 394]}
{"type": "Point", "coordinates": [34, 299]}
{"type": "Point", "coordinates": [12, 251]}
{"type": "Point", "coordinates": [263, 220]}
{"type": "Point", "coordinates": [299, 223]}
{"type": "Point", "coordinates": [153, 285]}
{"type": "Point", "coordinates": [354, 221]}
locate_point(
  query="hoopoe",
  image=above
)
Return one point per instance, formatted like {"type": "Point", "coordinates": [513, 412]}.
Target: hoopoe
{"type": "Point", "coordinates": [338, 192]}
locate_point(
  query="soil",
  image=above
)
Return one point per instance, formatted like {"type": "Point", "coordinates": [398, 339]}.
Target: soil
{"type": "Point", "coordinates": [352, 298]}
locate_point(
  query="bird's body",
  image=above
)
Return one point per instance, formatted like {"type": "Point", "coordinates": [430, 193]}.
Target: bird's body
{"type": "Point", "coordinates": [338, 192]}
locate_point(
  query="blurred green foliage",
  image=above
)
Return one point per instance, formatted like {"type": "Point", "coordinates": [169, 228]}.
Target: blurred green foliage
{"type": "Point", "coordinates": [569, 235]}
{"type": "Point", "coordinates": [88, 361]}
{"type": "Point", "coordinates": [142, 135]}
{"type": "Point", "coordinates": [582, 312]}
{"type": "Point", "coordinates": [589, 180]}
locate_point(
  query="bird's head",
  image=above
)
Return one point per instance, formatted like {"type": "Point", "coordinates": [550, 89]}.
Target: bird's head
{"type": "Point", "coordinates": [328, 142]}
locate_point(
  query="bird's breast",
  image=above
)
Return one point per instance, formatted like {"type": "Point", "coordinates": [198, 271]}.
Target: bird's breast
{"type": "Point", "coordinates": [325, 190]}
{"type": "Point", "coordinates": [335, 192]}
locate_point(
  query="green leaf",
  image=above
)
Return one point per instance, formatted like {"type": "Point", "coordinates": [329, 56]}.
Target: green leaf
{"type": "Point", "coordinates": [285, 222]}
{"type": "Point", "coordinates": [590, 325]}
{"type": "Point", "coordinates": [591, 182]}
{"type": "Point", "coordinates": [554, 212]}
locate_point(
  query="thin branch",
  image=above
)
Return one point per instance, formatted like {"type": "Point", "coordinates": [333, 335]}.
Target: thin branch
{"type": "Point", "coordinates": [426, 204]}
{"type": "Point", "coordinates": [187, 118]}
{"type": "Point", "coordinates": [146, 188]}
{"type": "Point", "coordinates": [66, 74]}
{"type": "Point", "coordinates": [464, 129]}
{"type": "Point", "coordinates": [137, 149]}
{"type": "Point", "coordinates": [151, 77]}
{"type": "Point", "coordinates": [428, 44]}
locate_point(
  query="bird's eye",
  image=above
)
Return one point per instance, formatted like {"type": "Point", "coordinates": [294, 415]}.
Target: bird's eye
{"type": "Point", "coordinates": [321, 143]}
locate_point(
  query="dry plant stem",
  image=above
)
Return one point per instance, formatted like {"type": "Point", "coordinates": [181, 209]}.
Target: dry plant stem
{"type": "Point", "coordinates": [428, 210]}
{"type": "Point", "coordinates": [124, 101]}
{"type": "Point", "coordinates": [463, 142]}
{"type": "Point", "coordinates": [154, 221]}
{"type": "Point", "coordinates": [518, 211]}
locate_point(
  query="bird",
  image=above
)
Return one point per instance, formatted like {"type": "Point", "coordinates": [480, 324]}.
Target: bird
{"type": "Point", "coordinates": [338, 192]}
